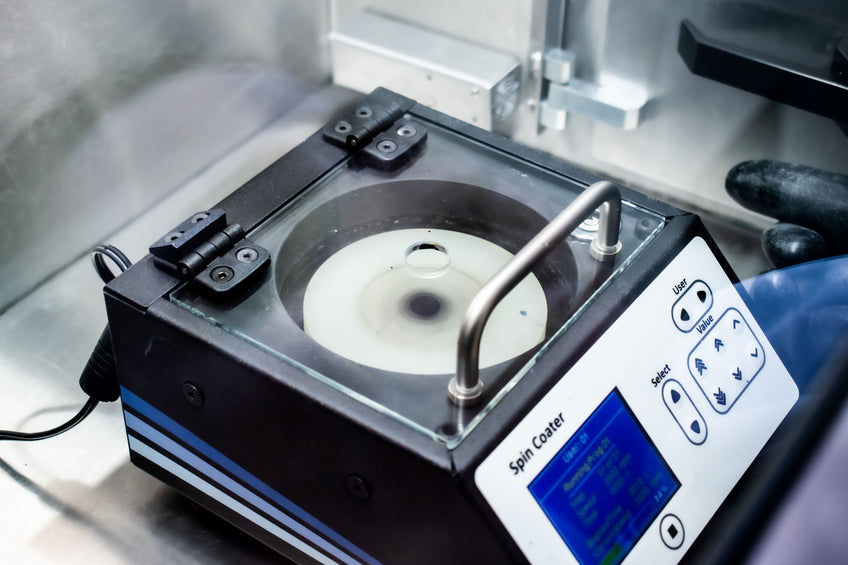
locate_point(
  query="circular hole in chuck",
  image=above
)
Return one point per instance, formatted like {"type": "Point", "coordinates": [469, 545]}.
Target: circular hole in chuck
{"type": "Point", "coordinates": [427, 259]}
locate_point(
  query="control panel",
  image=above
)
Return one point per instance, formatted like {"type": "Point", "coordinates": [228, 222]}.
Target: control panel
{"type": "Point", "coordinates": [630, 454]}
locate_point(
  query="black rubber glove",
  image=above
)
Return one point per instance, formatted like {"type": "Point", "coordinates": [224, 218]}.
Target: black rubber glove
{"type": "Point", "coordinates": [811, 206]}
{"type": "Point", "coordinates": [802, 306]}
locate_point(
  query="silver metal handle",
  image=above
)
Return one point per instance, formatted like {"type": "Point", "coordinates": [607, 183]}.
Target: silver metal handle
{"type": "Point", "coordinates": [465, 388]}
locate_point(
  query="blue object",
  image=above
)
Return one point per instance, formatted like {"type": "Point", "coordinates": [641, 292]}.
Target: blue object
{"type": "Point", "coordinates": [803, 311]}
{"type": "Point", "coordinates": [605, 486]}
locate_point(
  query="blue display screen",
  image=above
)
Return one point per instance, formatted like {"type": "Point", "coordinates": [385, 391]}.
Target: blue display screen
{"type": "Point", "coordinates": [605, 486]}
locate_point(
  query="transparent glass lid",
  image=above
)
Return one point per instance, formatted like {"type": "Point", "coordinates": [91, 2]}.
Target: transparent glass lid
{"type": "Point", "coordinates": [372, 272]}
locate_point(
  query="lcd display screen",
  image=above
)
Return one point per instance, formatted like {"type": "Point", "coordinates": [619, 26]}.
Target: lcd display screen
{"type": "Point", "coordinates": [605, 486]}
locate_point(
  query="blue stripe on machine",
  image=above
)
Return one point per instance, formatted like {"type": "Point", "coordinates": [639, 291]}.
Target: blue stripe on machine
{"type": "Point", "coordinates": [163, 421]}
{"type": "Point", "coordinates": [206, 488]}
{"type": "Point", "coordinates": [194, 463]}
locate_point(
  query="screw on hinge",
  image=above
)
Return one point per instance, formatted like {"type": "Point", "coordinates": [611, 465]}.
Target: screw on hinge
{"type": "Point", "coordinates": [222, 274]}
{"type": "Point", "coordinates": [387, 146]}
{"type": "Point", "coordinates": [247, 255]}
{"type": "Point", "coordinates": [406, 131]}
{"type": "Point", "coordinates": [342, 127]}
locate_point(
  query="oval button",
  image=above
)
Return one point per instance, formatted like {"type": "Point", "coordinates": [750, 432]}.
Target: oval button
{"type": "Point", "coordinates": [671, 531]}
{"type": "Point", "coordinates": [684, 412]}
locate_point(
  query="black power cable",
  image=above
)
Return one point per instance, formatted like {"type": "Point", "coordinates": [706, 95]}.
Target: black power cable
{"type": "Point", "coordinates": [87, 409]}
{"type": "Point", "coordinates": [113, 253]}
{"type": "Point", "coordinates": [99, 378]}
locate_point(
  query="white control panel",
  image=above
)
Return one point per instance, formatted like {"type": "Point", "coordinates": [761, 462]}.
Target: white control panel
{"type": "Point", "coordinates": [630, 454]}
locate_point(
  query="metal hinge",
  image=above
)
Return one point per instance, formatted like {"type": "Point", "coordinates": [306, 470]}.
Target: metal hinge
{"type": "Point", "coordinates": [216, 255]}
{"type": "Point", "coordinates": [616, 103]}
{"type": "Point", "coordinates": [378, 132]}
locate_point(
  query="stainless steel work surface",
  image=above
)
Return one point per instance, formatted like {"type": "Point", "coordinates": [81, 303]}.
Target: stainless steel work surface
{"type": "Point", "coordinates": [76, 498]}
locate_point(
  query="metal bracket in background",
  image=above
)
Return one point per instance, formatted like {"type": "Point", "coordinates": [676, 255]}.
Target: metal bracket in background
{"type": "Point", "coordinates": [618, 104]}
{"type": "Point", "coordinates": [467, 81]}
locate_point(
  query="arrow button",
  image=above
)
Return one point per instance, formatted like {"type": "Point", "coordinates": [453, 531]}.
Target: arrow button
{"type": "Point", "coordinates": [684, 412]}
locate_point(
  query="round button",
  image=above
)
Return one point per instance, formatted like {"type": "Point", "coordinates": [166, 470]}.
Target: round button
{"type": "Point", "coordinates": [671, 531]}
